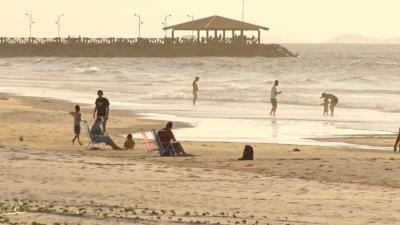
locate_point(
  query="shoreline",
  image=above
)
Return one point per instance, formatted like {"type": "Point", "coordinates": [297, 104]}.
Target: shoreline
{"type": "Point", "coordinates": [45, 179]}
{"type": "Point", "coordinates": [355, 142]}
{"type": "Point", "coordinates": [51, 128]}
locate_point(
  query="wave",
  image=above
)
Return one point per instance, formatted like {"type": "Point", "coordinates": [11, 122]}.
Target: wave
{"type": "Point", "coordinates": [355, 78]}
{"type": "Point", "coordinates": [387, 63]}
{"type": "Point", "coordinates": [87, 70]}
{"type": "Point", "coordinates": [5, 64]}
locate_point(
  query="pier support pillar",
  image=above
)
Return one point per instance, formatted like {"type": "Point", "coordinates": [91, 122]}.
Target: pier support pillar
{"type": "Point", "coordinates": [173, 36]}
{"type": "Point", "coordinates": [198, 35]}
{"type": "Point", "coordinates": [223, 35]}
{"type": "Point", "coordinates": [259, 37]}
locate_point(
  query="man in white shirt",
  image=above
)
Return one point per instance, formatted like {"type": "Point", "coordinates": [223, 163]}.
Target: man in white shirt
{"type": "Point", "coordinates": [274, 94]}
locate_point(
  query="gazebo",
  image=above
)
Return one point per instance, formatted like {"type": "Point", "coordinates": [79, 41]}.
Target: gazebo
{"type": "Point", "coordinates": [216, 23]}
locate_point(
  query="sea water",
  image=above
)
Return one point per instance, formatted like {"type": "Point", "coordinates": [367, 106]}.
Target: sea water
{"type": "Point", "coordinates": [234, 93]}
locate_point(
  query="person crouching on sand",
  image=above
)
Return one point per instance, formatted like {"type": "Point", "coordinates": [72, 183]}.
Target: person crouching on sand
{"type": "Point", "coordinates": [77, 123]}
{"type": "Point", "coordinates": [129, 143]}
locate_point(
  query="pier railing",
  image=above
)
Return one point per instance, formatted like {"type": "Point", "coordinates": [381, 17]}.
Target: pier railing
{"type": "Point", "coordinates": [240, 40]}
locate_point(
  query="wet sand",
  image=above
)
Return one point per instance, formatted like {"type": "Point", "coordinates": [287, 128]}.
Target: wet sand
{"type": "Point", "coordinates": [314, 186]}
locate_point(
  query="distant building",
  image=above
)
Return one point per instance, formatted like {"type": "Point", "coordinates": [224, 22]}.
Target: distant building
{"type": "Point", "coordinates": [221, 24]}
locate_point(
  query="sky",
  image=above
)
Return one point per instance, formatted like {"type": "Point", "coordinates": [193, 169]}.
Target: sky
{"type": "Point", "coordinates": [291, 20]}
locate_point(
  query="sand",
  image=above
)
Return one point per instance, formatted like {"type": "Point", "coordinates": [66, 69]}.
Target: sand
{"type": "Point", "coordinates": [61, 182]}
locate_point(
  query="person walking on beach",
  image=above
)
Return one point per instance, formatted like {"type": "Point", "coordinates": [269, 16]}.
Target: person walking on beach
{"type": "Point", "coordinates": [102, 107]}
{"type": "Point", "coordinates": [195, 90]}
{"type": "Point", "coordinates": [274, 95]}
{"type": "Point", "coordinates": [77, 124]}
{"type": "Point", "coordinates": [333, 101]}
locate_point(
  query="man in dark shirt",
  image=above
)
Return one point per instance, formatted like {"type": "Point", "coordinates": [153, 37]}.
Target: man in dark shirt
{"type": "Point", "coordinates": [102, 107]}
{"type": "Point", "coordinates": [167, 139]}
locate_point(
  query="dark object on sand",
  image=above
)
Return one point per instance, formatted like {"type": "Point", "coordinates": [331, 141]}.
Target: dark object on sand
{"type": "Point", "coordinates": [248, 153]}
{"type": "Point", "coordinates": [296, 150]}
{"type": "Point", "coordinates": [21, 138]}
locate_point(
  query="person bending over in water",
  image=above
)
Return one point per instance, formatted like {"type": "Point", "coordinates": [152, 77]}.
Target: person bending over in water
{"type": "Point", "coordinates": [195, 90]}
{"type": "Point", "coordinates": [274, 95]}
{"type": "Point", "coordinates": [326, 106]}
{"type": "Point", "coordinates": [333, 101]}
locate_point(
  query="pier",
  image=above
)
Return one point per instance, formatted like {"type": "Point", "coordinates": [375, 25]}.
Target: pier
{"type": "Point", "coordinates": [219, 43]}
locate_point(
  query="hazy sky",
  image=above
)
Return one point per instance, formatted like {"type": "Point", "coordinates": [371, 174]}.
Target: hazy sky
{"type": "Point", "coordinates": [300, 20]}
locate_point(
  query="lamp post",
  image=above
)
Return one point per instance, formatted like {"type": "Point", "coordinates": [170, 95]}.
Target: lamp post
{"type": "Point", "coordinates": [243, 1]}
{"type": "Point", "coordinates": [191, 17]}
{"type": "Point", "coordinates": [31, 22]}
{"type": "Point", "coordinates": [165, 23]}
{"type": "Point", "coordinates": [58, 22]}
{"type": "Point", "coordinates": [140, 23]}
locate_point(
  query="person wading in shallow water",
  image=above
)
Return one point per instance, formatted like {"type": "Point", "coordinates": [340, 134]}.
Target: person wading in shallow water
{"type": "Point", "coordinates": [333, 101]}
{"type": "Point", "coordinates": [102, 107]}
{"type": "Point", "coordinates": [274, 95]}
{"type": "Point", "coordinates": [195, 90]}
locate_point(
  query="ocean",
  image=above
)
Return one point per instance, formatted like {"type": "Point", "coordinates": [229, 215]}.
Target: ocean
{"type": "Point", "coordinates": [234, 93]}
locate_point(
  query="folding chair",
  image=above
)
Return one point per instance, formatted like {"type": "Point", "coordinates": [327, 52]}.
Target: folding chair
{"type": "Point", "coordinates": [92, 143]}
{"type": "Point", "coordinates": [169, 149]}
{"type": "Point", "coordinates": [149, 143]}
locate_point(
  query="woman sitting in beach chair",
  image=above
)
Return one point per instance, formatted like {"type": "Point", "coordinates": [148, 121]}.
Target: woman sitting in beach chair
{"type": "Point", "coordinates": [99, 137]}
{"type": "Point", "coordinates": [168, 141]}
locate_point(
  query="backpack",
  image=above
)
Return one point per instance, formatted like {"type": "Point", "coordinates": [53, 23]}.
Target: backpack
{"type": "Point", "coordinates": [248, 153]}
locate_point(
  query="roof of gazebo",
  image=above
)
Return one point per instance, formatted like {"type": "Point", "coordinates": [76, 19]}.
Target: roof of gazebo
{"type": "Point", "coordinates": [216, 23]}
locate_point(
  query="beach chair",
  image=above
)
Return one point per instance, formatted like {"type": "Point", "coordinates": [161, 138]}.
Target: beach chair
{"type": "Point", "coordinates": [91, 143]}
{"type": "Point", "coordinates": [149, 143]}
{"type": "Point", "coordinates": [169, 148]}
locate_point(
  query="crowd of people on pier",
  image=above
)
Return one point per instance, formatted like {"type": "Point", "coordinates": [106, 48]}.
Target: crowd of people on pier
{"type": "Point", "coordinates": [112, 40]}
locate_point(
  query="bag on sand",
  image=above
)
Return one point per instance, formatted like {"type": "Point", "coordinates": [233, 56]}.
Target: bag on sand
{"type": "Point", "coordinates": [248, 153]}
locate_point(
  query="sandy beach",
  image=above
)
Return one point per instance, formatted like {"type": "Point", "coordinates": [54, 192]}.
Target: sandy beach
{"type": "Point", "coordinates": [60, 182]}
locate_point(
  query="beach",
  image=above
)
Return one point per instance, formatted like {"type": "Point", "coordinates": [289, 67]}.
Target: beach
{"type": "Point", "coordinates": [316, 185]}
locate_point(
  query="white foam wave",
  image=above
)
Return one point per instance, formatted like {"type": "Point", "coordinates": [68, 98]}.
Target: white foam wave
{"type": "Point", "coordinates": [87, 70]}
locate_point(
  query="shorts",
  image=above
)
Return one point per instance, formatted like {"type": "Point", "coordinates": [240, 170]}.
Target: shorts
{"type": "Point", "coordinates": [77, 129]}
{"type": "Point", "coordinates": [274, 102]}
{"type": "Point", "coordinates": [102, 139]}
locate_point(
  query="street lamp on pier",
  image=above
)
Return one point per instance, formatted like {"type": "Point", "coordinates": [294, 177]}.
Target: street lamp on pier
{"type": "Point", "coordinates": [31, 22]}
{"type": "Point", "coordinates": [165, 23]}
{"type": "Point", "coordinates": [140, 23]}
{"type": "Point", "coordinates": [58, 22]}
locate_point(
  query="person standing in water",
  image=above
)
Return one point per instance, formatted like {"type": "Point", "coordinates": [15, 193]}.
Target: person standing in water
{"type": "Point", "coordinates": [333, 101]}
{"type": "Point", "coordinates": [274, 95]}
{"type": "Point", "coordinates": [195, 90]}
